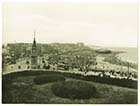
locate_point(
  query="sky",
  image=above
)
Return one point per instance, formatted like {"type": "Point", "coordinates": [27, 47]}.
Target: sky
{"type": "Point", "coordinates": [102, 24]}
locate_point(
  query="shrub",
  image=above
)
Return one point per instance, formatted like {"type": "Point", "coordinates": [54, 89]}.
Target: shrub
{"type": "Point", "coordinates": [42, 79]}
{"type": "Point", "coordinates": [74, 90]}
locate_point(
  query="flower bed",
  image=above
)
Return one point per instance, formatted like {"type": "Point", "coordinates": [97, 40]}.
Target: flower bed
{"type": "Point", "coordinates": [74, 90]}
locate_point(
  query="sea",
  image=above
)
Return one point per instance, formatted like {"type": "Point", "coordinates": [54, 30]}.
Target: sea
{"type": "Point", "coordinates": [130, 54]}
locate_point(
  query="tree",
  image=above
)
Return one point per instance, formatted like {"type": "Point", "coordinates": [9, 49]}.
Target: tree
{"type": "Point", "coordinates": [27, 62]}
{"type": "Point", "coordinates": [19, 67]}
{"type": "Point", "coordinates": [28, 67]}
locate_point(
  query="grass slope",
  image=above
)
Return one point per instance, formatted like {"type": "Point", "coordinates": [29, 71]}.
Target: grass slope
{"type": "Point", "coordinates": [23, 90]}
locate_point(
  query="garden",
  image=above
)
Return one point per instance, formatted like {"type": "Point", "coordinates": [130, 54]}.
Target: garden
{"type": "Point", "coordinates": [46, 87]}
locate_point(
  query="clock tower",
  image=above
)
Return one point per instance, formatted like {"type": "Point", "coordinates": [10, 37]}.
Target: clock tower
{"type": "Point", "coordinates": [34, 58]}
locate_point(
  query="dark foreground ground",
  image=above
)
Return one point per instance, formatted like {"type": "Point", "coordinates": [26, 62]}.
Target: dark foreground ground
{"type": "Point", "coordinates": [21, 88]}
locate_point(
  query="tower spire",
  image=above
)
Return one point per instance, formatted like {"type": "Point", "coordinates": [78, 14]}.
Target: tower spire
{"type": "Point", "coordinates": [34, 41]}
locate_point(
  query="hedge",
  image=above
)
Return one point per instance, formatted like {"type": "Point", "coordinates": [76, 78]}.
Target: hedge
{"type": "Point", "coordinates": [42, 79]}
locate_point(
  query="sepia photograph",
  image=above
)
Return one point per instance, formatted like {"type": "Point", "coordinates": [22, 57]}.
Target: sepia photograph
{"type": "Point", "coordinates": [69, 53]}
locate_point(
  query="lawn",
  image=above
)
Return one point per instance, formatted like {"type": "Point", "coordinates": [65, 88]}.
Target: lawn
{"type": "Point", "coordinates": [23, 89]}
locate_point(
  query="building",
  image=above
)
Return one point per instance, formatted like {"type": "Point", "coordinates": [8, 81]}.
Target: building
{"type": "Point", "coordinates": [34, 57]}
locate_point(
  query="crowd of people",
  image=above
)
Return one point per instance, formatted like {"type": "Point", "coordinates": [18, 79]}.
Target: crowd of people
{"type": "Point", "coordinates": [66, 57]}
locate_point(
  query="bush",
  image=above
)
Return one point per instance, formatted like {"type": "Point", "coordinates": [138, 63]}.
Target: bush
{"type": "Point", "coordinates": [74, 90]}
{"type": "Point", "coordinates": [42, 79]}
